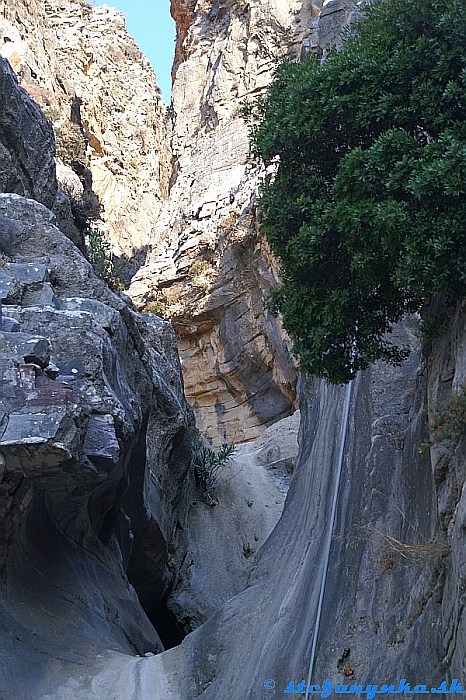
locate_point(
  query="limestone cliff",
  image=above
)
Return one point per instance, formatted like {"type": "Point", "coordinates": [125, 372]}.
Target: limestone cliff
{"type": "Point", "coordinates": [209, 269]}
{"type": "Point", "coordinates": [79, 63]}
{"type": "Point", "coordinates": [82, 376]}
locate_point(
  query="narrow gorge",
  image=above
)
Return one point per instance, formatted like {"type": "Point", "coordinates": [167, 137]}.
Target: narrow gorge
{"type": "Point", "coordinates": [121, 578]}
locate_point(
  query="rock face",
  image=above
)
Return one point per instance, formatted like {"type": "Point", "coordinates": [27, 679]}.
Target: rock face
{"type": "Point", "coordinates": [377, 604]}
{"type": "Point", "coordinates": [27, 145]}
{"type": "Point", "coordinates": [445, 369]}
{"type": "Point", "coordinates": [94, 474]}
{"type": "Point", "coordinates": [81, 379]}
{"type": "Point", "coordinates": [94, 446]}
{"type": "Point", "coordinates": [97, 497]}
{"type": "Point", "coordinates": [391, 603]}
{"type": "Point", "coordinates": [223, 541]}
{"type": "Point", "coordinates": [209, 269]}
{"type": "Point", "coordinates": [87, 70]}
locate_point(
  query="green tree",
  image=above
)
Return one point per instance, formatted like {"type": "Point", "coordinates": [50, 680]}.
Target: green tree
{"type": "Point", "coordinates": [365, 201]}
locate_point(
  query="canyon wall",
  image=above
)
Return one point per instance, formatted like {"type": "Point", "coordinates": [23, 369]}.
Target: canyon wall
{"type": "Point", "coordinates": [191, 219]}
{"type": "Point", "coordinates": [80, 65]}
{"type": "Point", "coordinates": [103, 533]}
{"type": "Point", "coordinates": [82, 376]}
{"type": "Point", "coordinates": [392, 605]}
{"type": "Point", "coordinates": [94, 429]}
{"type": "Point", "coordinates": [209, 269]}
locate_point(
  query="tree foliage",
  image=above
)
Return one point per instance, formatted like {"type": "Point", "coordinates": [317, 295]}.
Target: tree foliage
{"type": "Point", "coordinates": [365, 201]}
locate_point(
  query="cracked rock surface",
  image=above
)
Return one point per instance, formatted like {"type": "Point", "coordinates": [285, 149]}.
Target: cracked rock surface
{"type": "Point", "coordinates": [81, 377]}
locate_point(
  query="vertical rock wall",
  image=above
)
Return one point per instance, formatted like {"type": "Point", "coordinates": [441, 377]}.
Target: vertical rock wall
{"type": "Point", "coordinates": [27, 147]}
{"type": "Point", "coordinates": [209, 269]}
{"type": "Point", "coordinates": [83, 378]}
{"type": "Point", "coordinates": [445, 371]}
{"type": "Point", "coordinates": [381, 613]}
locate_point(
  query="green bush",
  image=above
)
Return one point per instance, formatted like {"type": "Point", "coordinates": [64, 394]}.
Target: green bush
{"type": "Point", "coordinates": [53, 114]}
{"type": "Point", "coordinates": [450, 418]}
{"type": "Point", "coordinates": [99, 251]}
{"type": "Point", "coordinates": [366, 207]}
{"type": "Point", "coordinates": [158, 307]}
{"type": "Point", "coordinates": [106, 265]}
{"type": "Point", "coordinates": [200, 267]}
{"type": "Point", "coordinates": [208, 465]}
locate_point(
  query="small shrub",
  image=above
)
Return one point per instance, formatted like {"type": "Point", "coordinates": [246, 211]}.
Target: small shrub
{"type": "Point", "coordinates": [99, 251]}
{"type": "Point", "coordinates": [70, 143]}
{"type": "Point", "coordinates": [208, 465]}
{"type": "Point", "coordinates": [106, 266]}
{"type": "Point", "coordinates": [117, 276]}
{"type": "Point", "coordinates": [53, 114]}
{"type": "Point", "coordinates": [229, 222]}
{"type": "Point", "coordinates": [396, 553]}
{"type": "Point", "coordinates": [200, 267]}
{"type": "Point", "coordinates": [450, 418]}
{"type": "Point", "coordinates": [157, 307]}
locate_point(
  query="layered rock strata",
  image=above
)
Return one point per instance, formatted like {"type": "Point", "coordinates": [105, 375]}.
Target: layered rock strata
{"type": "Point", "coordinates": [393, 603]}
{"type": "Point", "coordinates": [209, 269]}
{"type": "Point", "coordinates": [95, 486]}
{"type": "Point", "coordinates": [96, 491]}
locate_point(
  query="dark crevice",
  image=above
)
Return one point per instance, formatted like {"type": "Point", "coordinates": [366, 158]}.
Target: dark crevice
{"type": "Point", "coordinates": [147, 571]}
{"type": "Point", "coordinates": [167, 627]}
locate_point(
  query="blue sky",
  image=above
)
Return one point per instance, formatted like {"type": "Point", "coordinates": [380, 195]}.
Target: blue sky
{"type": "Point", "coordinates": [149, 22]}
